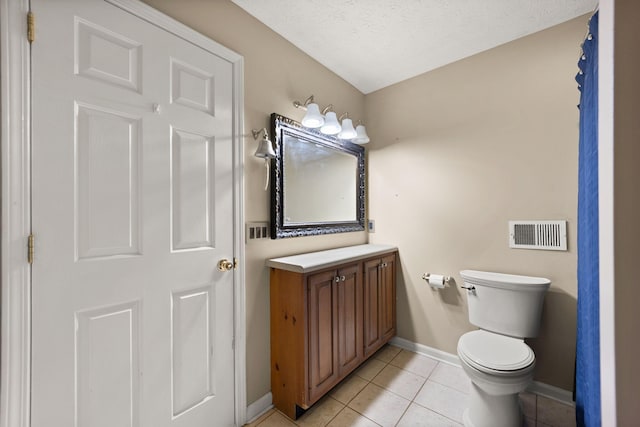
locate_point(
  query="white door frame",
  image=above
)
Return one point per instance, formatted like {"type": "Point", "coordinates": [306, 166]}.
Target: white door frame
{"type": "Point", "coordinates": [15, 127]}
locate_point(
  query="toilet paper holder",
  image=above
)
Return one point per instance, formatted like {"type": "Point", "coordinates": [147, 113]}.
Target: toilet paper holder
{"type": "Point", "coordinates": [427, 276]}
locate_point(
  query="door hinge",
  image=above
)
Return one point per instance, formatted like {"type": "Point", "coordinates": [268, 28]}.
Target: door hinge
{"type": "Point", "coordinates": [30, 248]}
{"type": "Point", "coordinates": [31, 27]}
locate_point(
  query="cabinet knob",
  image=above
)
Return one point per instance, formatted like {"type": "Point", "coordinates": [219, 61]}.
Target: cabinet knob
{"type": "Point", "coordinates": [342, 278]}
{"type": "Point", "coordinates": [337, 279]}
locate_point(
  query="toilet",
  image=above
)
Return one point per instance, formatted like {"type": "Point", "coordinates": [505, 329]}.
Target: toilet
{"type": "Point", "coordinates": [496, 359]}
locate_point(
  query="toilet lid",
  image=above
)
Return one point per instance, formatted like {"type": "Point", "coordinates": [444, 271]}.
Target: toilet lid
{"type": "Point", "coordinates": [487, 351]}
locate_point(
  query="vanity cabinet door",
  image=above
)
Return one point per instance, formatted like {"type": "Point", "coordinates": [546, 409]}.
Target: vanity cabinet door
{"type": "Point", "coordinates": [323, 338]}
{"type": "Point", "coordinates": [350, 349]}
{"type": "Point", "coordinates": [379, 302]}
{"type": "Point", "coordinates": [335, 327]}
{"type": "Point", "coordinates": [387, 306]}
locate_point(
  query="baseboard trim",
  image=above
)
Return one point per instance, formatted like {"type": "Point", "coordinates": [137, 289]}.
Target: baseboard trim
{"type": "Point", "coordinates": [259, 407]}
{"type": "Point", "coordinates": [541, 389]}
{"type": "Point", "coordinates": [552, 392]}
{"type": "Point", "coordinates": [440, 355]}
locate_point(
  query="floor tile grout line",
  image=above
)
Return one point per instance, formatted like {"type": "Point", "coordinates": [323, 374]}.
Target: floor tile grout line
{"type": "Point", "coordinates": [363, 415]}
{"type": "Point", "coordinates": [386, 364]}
{"type": "Point", "coordinates": [403, 413]}
{"type": "Point", "coordinates": [406, 370]}
{"type": "Point", "coordinates": [449, 387]}
{"type": "Point", "coordinates": [338, 413]}
{"type": "Point", "coordinates": [425, 383]}
{"type": "Point", "coordinates": [396, 394]}
{"type": "Point", "coordinates": [353, 398]}
{"type": "Point", "coordinates": [431, 374]}
{"type": "Point", "coordinates": [436, 412]}
{"type": "Point", "coordinates": [429, 409]}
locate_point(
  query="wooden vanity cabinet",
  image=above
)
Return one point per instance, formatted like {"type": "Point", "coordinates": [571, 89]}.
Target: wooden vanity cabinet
{"type": "Point", "coordinates": [379, 302]}
{"type": "Point", "coordinates": [319, 325]}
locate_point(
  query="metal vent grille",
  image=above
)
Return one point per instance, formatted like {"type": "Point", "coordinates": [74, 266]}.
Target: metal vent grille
{"type": "Point", "coordinates": [549, 235]}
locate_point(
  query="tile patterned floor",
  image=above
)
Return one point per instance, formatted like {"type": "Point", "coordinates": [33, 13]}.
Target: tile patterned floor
{"type": "Point", "coordinates": [399, 388]}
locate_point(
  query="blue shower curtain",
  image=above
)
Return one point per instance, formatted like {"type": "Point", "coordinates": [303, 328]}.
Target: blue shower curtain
{"type": "Point", "coordinates": [588, 335]}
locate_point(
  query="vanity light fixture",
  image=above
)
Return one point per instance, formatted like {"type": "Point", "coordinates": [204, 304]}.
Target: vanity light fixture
{"type": "Point", "coordinates": [347, 132]}
{"type": "Point", "coordinates": [313, 119]}
{"type": "Point", "coordinates": [329, 123]}
{"type": "Point", "coordinates": [361, 134]}
{"type": "Point", "coordinates": [264, 151]}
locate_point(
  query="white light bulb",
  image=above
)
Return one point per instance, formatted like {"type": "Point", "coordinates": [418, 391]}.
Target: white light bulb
{"type": "Point", "coordinates": [331, 125]}
{"type": "Point", "coordinates": [361, 135]}
{"type": "Point", "coordinates": [313, 118]}
{"type": "Point", "coordinates": [348, 131]}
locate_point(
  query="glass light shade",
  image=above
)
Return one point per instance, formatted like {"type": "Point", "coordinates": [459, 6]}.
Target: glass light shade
{"type": "Point", "coordinates": [313, 118]}
{"type": "Point", "coordinates": [331, 125]}
{"type": "Point", "coordinates": [265, 149]}
{"type": "Point", "coordinates": [361, 135]}
{"type": "Point", "coordinates": [348, 131]}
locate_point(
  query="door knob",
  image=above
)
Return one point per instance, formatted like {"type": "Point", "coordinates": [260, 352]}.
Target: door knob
{"type": "Point", "coordinates": [226, 265]}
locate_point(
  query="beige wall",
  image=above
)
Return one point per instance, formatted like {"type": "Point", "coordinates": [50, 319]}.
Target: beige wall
{"type": "Point", "coordinates": [275, 74]}
{"type": "Point", "coordinates": [458, 152]}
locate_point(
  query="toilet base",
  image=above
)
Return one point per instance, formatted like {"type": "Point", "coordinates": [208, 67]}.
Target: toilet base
{"type": "Point", "coordinates": [486, 410]}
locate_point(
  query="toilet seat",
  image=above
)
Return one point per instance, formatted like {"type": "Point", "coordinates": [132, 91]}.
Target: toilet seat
{"type": "Point", "coordinates": [495, 354]}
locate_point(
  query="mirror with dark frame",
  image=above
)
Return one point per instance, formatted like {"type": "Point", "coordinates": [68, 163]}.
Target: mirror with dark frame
{"type": "Point", "coordinates": [318, 182]}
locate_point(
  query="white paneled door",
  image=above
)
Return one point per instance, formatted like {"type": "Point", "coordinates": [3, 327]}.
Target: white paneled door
{"type": "Point", "coordinates": [132, 321]}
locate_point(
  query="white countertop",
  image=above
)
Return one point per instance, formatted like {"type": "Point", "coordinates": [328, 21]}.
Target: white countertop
{"type": "Point", "coordinates": [305, 263]}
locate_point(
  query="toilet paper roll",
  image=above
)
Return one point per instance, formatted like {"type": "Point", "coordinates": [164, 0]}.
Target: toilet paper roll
{"type": "Point", "coordinates": [436, 281]}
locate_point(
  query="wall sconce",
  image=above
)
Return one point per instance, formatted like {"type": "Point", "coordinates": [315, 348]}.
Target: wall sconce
{"type": "Point", "coordinates": [265, 147]}
{"type": "Point", "coordinates": [264, 151]}
{"type": "Point", "coordinates": [329, 123]}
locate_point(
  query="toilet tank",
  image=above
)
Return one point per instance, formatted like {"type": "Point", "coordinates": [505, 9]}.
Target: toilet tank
{"type": "Point", "coordinates": [507, 304]}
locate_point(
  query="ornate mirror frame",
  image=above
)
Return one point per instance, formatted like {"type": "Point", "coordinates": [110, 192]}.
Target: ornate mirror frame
{"type": "Point", "coordinates": [280, 128]}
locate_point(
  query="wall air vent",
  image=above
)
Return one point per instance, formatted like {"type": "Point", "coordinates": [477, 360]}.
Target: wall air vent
{"type": "Point", "coordinates": [548, 235]}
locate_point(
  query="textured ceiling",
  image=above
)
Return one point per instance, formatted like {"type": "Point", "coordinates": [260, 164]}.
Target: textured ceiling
{"type": "Point", "coordinates": [375, 43]}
